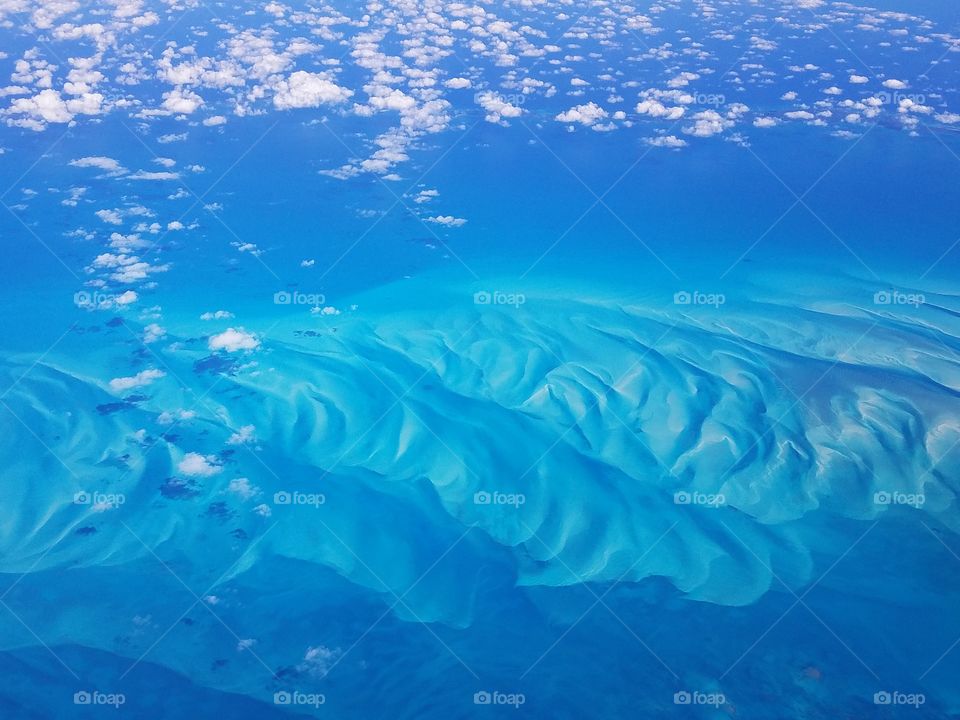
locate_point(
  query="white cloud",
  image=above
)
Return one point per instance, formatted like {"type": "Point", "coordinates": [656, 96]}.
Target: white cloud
{"type": "Point", "coordinates": [112, 217]}
{"type": "Point", "coordinates": [586, 114]}
{"type": "Point", "coordinates": [181, 102]}
{"type": "Point", "coordinates": [243, 435]}
{"type": "Point", "coordinates": [707, 124]}
{"type": "Point", "coordinates": [218, 315]}
{"type": "Point", "coordinates": [894, 84]}
{"type": "Point", "coordinates": [666, 141]}
{"type": "Point", "coordinates": [306, 90]}
{"type": "Point", "coordinates": [197, 465]}
{"type": "Point", "coordinates": [142, 378]}
{"type": "Point", "coordinates": [447, 220]}
{"type": "Point", "coordinates": [233, 340]}
{"type": "Point", "coordinates": [100, 163]}
{"type": "Point", "coordinates": [153, 332]}
{"type": "Point", "coordinates": [145, 175]}
{"type": "Point", "coordinates": [496, 107]}
{"type": "Point", "coordinates": [657, 109]}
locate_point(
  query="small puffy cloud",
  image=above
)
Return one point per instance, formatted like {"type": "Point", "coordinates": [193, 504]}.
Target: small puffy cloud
{"type": "Point", "coordinates": [142, 378]}
{"type": "Point", "coordinates": [160, 175]}
{"type": "Point", "coordinates": [218, 315]}
{"type": "Point", "coordinates": [657, 109]}
{"type": "Point", "coordinates": [245, 434]}
{"type": "Point", "coordinates": [181, 102]}
{"type": "Point", "coordinates": [197, 465]}
{"type": "Point", "coordinates": [215, 120]}
{"type": "Point", "coordinates": [799, 115]}
{"type": "Point", "coordinates": [232, 340]}
{"type": "Point", "coordinates": [307, 90]}
{"type": "Point", "coordinates": [765, 122]}
{"type": "Point", "coordinates": [243, 488]}
{"type": "Point", "coordinates": [446, 220]}
{"type": "Point", "coordinates": [47, 106]}
{"type": "Point", "coordinates": [153, 332]}
{"type": "Point", "coordinates": [666, 141]}
{"type": "Point", "coordinates": [100, 163]}
{"type": "Point", "coordinates": [458, 83]}
{"type": "Point", "coordinates": [111, 217]}
{"type": "Point", "coordinates": [682, 80]}
{"type": "Point", "coordinates": [586, 114]}
{"type": "Point", "coordinates": [707, 124]}
{"type": "Point", "coordinates": [894, 84]}
{"type": "Point", "coordinates": [496, 107]}
{"type": "Point", "coordinates": [859, 79]}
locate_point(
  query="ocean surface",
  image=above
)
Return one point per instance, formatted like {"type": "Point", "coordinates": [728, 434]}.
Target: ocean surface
{"type": "Point", "coordinates": [358, 363]}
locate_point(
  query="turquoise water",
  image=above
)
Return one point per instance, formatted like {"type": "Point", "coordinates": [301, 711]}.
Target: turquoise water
{"type": "Point", "coordinates": [534, 421]}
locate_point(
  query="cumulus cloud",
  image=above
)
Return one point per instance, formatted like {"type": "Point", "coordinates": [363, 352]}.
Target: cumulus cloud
{"type": "Point", "coordinates": [233, 340]}
{"type": "Point", "coordinates": [99, 162]}
{"type": "Point", "coordinates": [446, 220]}
{"type": "Point", "coordinates": [180, 101]}
{"type": "Point", "coordinates": [586, 114]}
{"type": "Point", "coordinates": [307, 90]}
{"type": "Point", "coordinates": [142, 378]}
{"type": "Point", "coordinates": [666, 141]}
{"type": "Point", "coordinates": [146, 175]}
{"type": "Point", "coordinates": [497, 107]}
{"type": "Point", "coordinates": [197, 465]}
{"type": "Point", "coordinates": [656, 109]}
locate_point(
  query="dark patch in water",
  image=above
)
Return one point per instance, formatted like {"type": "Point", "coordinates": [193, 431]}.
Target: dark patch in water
{"type": "Point", "coordinates": [215, 365]}
{"type": "Point", "coordinates": [114, 322]}
{"type": "Point", "coordinates": [110, 408]}
{"type": "Point", "coordinates": [219, 511]}
{"type": "Point", "coordinates": [86, 530]}
{"type": "Point", "coordinates": [175, 488]}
